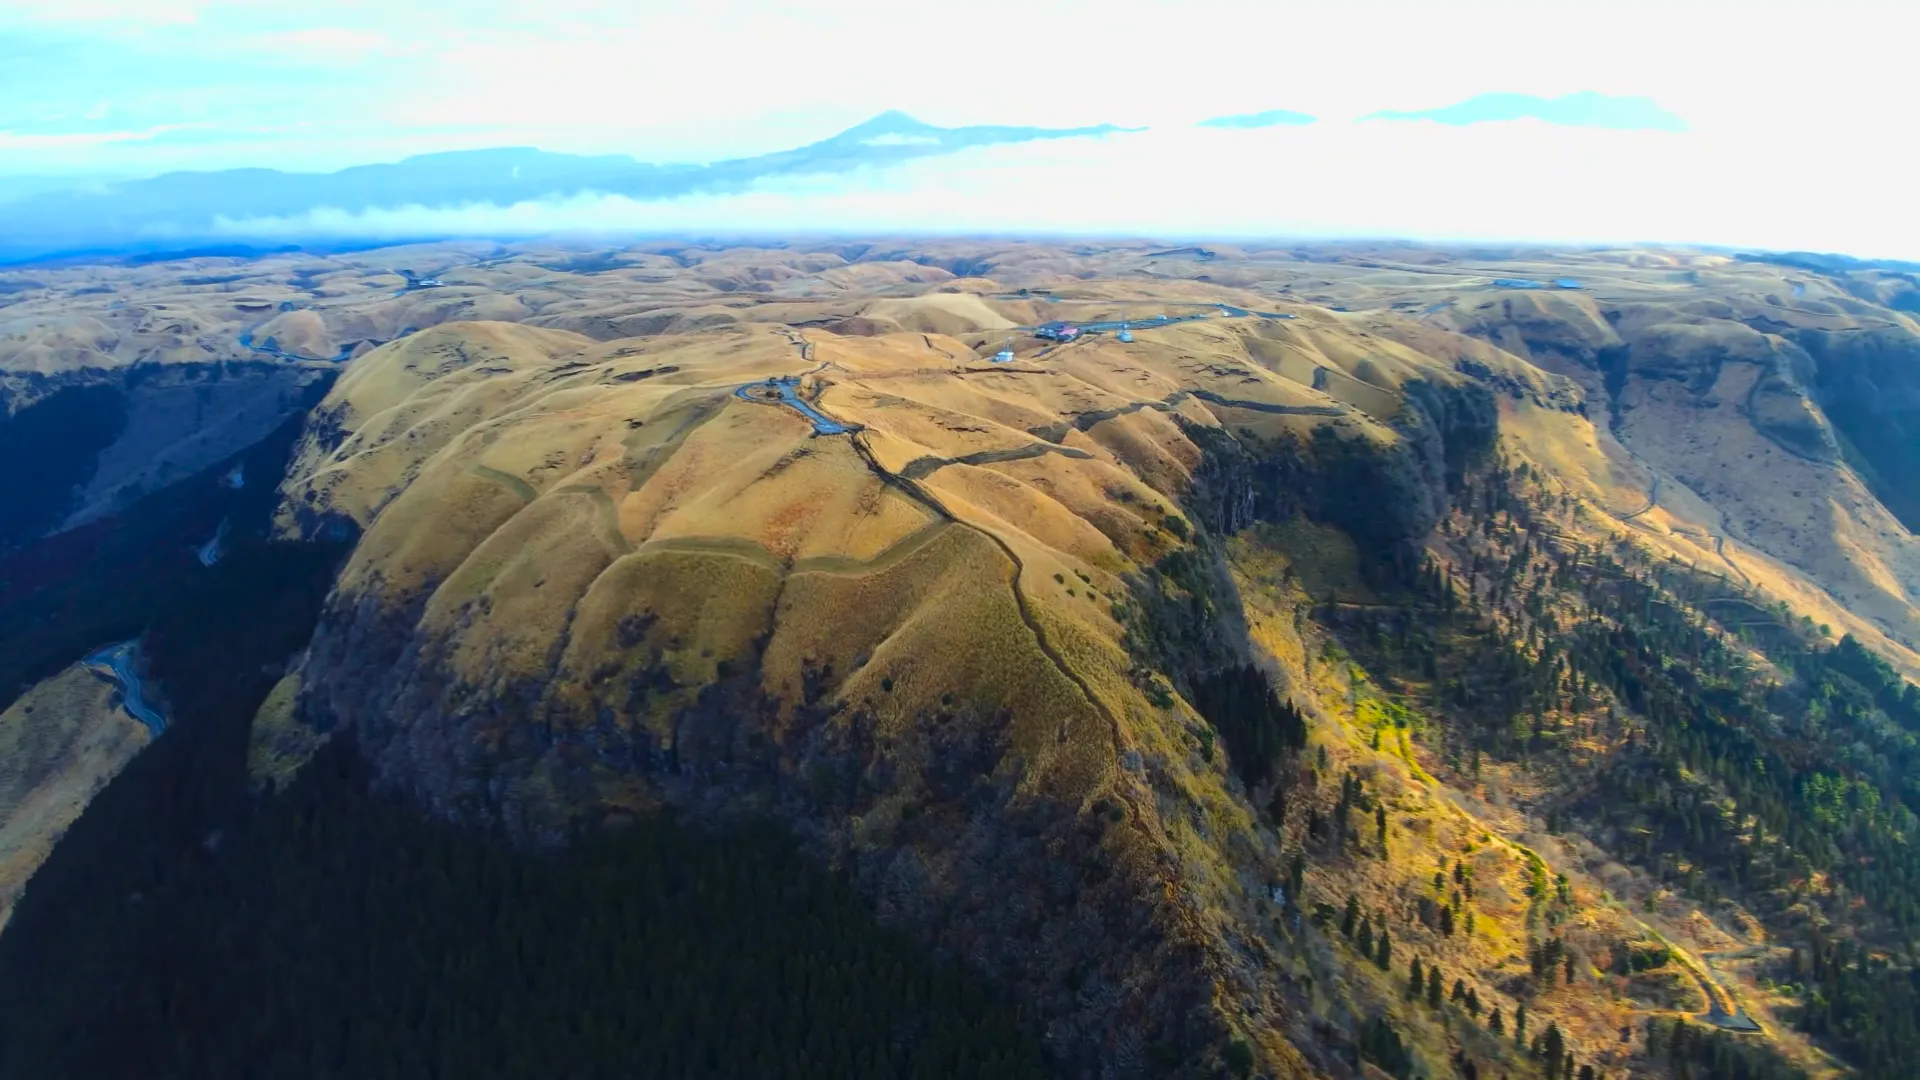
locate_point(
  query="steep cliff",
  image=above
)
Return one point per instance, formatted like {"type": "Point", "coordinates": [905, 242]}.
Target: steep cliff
{"type": "Point", "coordinates": [892, 610]}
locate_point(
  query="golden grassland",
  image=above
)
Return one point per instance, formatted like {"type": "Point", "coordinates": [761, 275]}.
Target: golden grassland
{"type": "Point", "coordinates": [591, 517]}
{"type": "Point", "coordinates": [570, 482]}
{"type": "Point", "coordinates": [60, 742]}
{"type": "Point", "coordinates": [507, 469]}
{"type": "Point", "coordinates": [1702, 328]}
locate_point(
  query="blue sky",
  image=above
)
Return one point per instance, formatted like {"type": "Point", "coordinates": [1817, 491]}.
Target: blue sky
{"type": "Point", "coordinates": [139, 85]}
{"type": "Point", "coordinates": [1790, 111]}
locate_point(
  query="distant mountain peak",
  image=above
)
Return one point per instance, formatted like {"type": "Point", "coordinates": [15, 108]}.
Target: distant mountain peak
{"type": "Point", "coordinates": [891, 122]}
{"type": "Point", "coordinates": [184, 207]}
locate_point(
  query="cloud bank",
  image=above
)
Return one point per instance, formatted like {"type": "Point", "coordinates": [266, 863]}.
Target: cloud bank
{"type": "Point", "coordinates": [1583, 109]}
{"type": "Point", "coordinates": [1517, 181]}
{"type": "Point", "coordinates": [1269, 118]}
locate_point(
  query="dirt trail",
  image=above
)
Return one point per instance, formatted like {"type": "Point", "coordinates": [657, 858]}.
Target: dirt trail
{"type": "Point", "coordinates": [1723, 1007]}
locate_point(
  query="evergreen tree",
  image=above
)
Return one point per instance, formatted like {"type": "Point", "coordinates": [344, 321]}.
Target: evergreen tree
{"type": "Point", "coordinates": [1553, 1044]}
{"type": "Point", "coordinates": [1433, 986]}
{"type": "Point", "coordinates": [1495, 1024]}
{"type": "Point", "coordinates": [1350, 919]}
{"type": "Point", "coordinates": [1416, 979]}
{"type": "Point", "coordinates": [1383, 954]}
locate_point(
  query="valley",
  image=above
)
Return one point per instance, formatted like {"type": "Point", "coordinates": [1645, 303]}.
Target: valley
{"type": "Point", "coordinates": [1397, 660]}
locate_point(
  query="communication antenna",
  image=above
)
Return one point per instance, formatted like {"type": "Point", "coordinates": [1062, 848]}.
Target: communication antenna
{"type": "Point", "coordinates": [1126, 334]}
{"type": "Point", "coordinates": [1005, 355]}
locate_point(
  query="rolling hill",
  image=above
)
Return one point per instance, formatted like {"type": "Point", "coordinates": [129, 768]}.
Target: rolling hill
{"type": "Point", "coordinates": [1540, 617]}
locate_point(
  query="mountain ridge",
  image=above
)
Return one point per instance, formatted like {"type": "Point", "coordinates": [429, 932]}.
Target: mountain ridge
{"type": "Point", "coordinates": [185, 205]}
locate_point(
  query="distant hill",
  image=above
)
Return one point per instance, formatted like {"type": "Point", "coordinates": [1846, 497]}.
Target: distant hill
{"type": "Point", "coordinates": [1827, 263]}
{"type": "Point", "coordinates": [180, 210]}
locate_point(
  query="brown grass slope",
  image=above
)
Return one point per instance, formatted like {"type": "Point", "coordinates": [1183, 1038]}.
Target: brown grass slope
{"type": "Point", "coordinates": [595, 574]}
{"type": "Point", "coordinates": [590, 577]}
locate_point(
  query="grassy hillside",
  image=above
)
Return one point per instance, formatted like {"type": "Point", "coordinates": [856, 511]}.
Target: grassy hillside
{"type": "Point", "coordinates": [1196, 693]}
{"type": "Point", "coordinates": [59, 743]}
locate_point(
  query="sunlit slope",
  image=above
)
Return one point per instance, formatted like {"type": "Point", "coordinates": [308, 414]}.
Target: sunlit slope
{"type": "Point", "coordinates": [600, 575]}
{"type": "Point", "coordinates": [60, 742]}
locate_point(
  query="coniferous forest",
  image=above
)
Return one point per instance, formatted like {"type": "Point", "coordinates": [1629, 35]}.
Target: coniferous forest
{"type": "Point", "coordinates": [337, 934]}
{"type": "Point", "coordinates": [1742, 752]}
{"type": "Point", "coordinates": [186, 928]}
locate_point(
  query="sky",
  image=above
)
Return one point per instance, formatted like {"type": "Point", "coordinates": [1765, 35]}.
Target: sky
{"type": "Point", "coordinates": [1792, 119]}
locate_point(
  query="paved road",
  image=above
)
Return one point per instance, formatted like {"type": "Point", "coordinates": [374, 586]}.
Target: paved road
{"type": "Point", "coordinates": [272, 348]}
{"type": "Point", "coordinates": [213, 550]}
{"type": "Point", "coordinates": [1151, 321]}
{"type": "Point", "coordinates": [785, 391]}
{"type": "Point", "coordinates": [115, 662]}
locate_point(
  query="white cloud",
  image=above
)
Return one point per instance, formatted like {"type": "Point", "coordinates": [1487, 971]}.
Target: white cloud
{"type": "Point", "coordinates": [685, 82]}
{"type": "Point", "coordinates": [1519, 181]}
{"type": "Point", "coordinates": [42, 141]}
{"type": "Point", "coordinates": [1809, 105]}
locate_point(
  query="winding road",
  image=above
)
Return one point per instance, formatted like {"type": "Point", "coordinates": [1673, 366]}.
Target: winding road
{"type": "Point", "coordinates": [115, 663]}
{"type": "Point", "coordinates": [785, 391]}
{"type": "Point", "coordinates": [1150, 322]}
{"type": "Point", "coordinates": [919, 493]}
{"type": "Point", "coordinates": [211, 552]}
{"type": "Point", "coordinates": [272, 348]}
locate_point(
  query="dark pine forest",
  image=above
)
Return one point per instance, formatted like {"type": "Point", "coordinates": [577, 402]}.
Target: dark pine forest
{"type": "Point", "coordinates": [186, 928]}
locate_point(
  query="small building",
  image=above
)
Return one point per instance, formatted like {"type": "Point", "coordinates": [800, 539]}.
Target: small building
{"type": "Point", "coordinates": [1126, 334]}
{"type": "Point", "coordinates": [1057, 331]}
